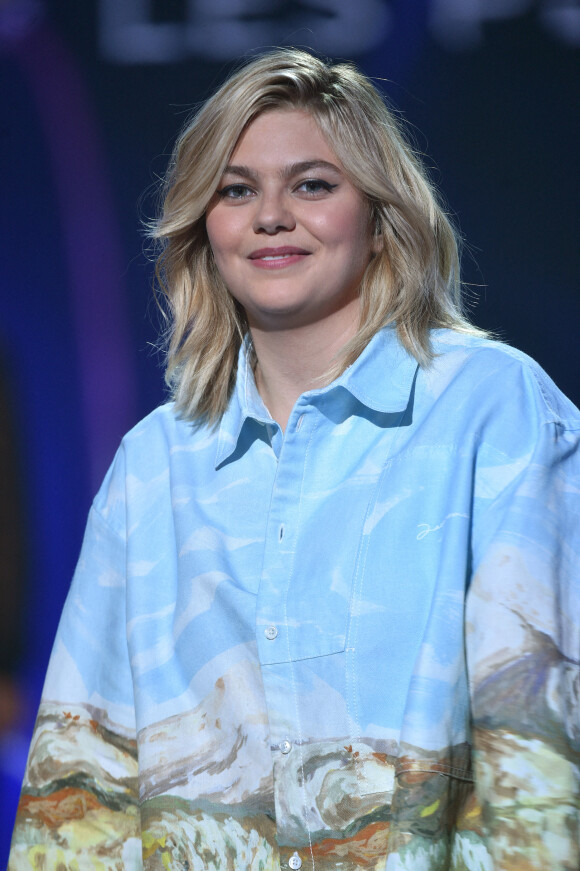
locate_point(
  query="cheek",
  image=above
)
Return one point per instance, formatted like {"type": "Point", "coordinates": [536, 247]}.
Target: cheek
{"type": "Point", "coordinates": [214, 236]}
{"type": "Point", "coordinates": [348, 228]}
{"type": "Point", "coordinates": [221, 232]}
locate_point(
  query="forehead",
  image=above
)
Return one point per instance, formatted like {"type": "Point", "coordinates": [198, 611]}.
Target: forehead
{"type": "Point", "coordinates": [279, 137]}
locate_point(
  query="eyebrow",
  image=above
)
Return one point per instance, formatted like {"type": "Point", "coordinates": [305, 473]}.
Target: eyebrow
{"type": "Point", "coordinates": [288, 172]}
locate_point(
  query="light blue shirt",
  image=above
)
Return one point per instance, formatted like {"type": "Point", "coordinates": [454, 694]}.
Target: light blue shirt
{"type": "Point", "coordinates": [351, 645]}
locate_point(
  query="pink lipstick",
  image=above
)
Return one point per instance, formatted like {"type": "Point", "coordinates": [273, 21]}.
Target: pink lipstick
{"type": "Point", "coordinates": [277, 258]}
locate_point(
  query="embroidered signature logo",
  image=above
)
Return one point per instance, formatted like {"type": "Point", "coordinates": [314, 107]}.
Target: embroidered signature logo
{"type": "Point", "coordinates": [426, 529]}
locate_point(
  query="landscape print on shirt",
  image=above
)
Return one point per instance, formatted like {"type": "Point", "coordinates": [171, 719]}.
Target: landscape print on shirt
{"type": "Point", "coordinates": [71, 810]}
{"type": "Point", "coordinates": [214, 807]}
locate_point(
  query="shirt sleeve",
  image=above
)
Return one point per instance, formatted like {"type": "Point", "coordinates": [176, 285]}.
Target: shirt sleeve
{"type": "Point", "coordinates": [523, 644]}
{"type": "Point", "coordinates": [79, 803]}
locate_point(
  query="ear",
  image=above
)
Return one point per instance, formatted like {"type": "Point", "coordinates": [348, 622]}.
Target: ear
{"type": "Point", "coordinates": [377, 241]}
{"type": "Point", "coordinates": [377, 235]}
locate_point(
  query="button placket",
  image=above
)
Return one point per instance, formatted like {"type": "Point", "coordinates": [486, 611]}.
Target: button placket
{"type": "Point", "coordinates": [275, 647]}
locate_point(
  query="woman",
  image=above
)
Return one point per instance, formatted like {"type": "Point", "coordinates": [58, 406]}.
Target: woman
{"type": "Point", "coordinates": [326, 612]}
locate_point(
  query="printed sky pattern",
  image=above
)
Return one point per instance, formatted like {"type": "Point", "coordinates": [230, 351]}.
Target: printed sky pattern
{"type": "Point", "coordinates": [366, 657]}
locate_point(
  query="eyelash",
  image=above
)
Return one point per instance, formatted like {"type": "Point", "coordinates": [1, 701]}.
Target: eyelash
{"type": "Point", "coordinates": [320, 183]}
{"type": "Point", "coordinates": [238, 191]}
{"type": "Point", "coordinates": [229, 192]}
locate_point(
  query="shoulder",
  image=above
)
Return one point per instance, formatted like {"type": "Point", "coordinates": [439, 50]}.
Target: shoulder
{"type": "Point", "coordinates": [494, 376]}
{"type": "Point", "coordinates": [161, 433]}
{"type": "Point", "coordinates": [141, 466]}
{"type": "Point", "coordinates": [163, 422]}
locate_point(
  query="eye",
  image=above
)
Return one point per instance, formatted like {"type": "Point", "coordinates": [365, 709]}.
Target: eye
{"type": "Point", "coordinates": [315, 186]}
{"type": "Point", "coordinates": [235, 192]}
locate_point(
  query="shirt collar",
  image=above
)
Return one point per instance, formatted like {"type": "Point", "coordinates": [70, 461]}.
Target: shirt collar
{"type": "Point", "coordinates": [381, 378]}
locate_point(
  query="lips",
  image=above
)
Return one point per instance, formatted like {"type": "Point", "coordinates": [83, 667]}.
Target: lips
{"type": "Point", "coordinates": [277, 255]}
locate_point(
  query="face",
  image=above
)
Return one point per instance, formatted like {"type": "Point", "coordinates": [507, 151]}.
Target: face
{"type": "Point", "coordinates": [290, 234]}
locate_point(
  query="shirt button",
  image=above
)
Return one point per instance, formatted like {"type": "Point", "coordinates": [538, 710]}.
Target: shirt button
{"type": "Point", "coordinates": [271, 632]}
{"type": "Point", "coordinates": [295, 862]}
{"type": "Point", "coordinates": [285, 746]}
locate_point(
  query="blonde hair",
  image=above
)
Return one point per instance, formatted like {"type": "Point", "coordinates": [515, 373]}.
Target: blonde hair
{"type": "Point", "coordinates": [413, 281]}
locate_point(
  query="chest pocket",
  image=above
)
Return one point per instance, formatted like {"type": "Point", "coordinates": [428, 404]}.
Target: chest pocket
{"type": "Point", "coordinates": [323, 515]}
{"type": "Point", "coordinates": [309, 594]}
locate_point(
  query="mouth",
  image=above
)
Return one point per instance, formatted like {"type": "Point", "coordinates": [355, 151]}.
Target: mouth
{"type": "Point", "coordinates": [281, 255]}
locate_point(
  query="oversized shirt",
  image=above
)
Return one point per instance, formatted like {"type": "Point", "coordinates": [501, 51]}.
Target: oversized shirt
{"type": "Point", "coordinates": [351, 645]}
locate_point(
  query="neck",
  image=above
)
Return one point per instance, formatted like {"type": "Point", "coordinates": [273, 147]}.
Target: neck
{"type": "Point", "coordinates": [290, 362]}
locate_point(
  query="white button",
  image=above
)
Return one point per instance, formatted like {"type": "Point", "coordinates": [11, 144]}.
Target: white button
{"type": "Point", "coordinates": [285, 746]}
{"type": "Point", "coordinates": [295, 861]}
{"type": "Point", "coordinates": [271, 632]}
{"type": "Point", "coordinates": [299, 421]}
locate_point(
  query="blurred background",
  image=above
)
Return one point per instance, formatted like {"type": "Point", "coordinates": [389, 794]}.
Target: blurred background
{"type": "Point", "coordinates": [92, 95]}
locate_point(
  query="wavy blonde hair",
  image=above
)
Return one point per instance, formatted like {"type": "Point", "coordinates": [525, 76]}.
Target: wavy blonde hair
{"type": "Point", "coordinates": [413, 280]}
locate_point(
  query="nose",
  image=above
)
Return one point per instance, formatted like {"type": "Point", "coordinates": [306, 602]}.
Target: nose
{"type": "Point", "coordinates": [273, 214]}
